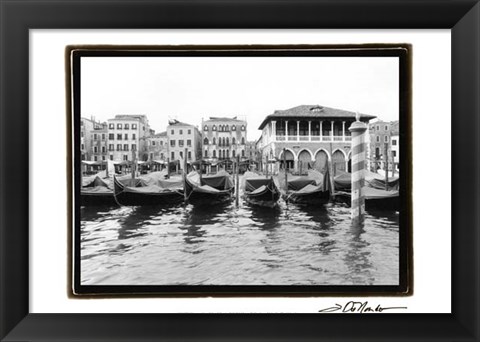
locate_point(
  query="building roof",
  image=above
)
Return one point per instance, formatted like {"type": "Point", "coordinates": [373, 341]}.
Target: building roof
{"type": "Point", "coordinates": [312, 111]}
{"type": "Point", "coordinates": [395, 127]}
{"type": "Point", "coordinates": [159, 135]}
{"type": "Point", "coordinates": [175, 122]}
{"type": "Point", "coordinates": [218, 118]}
{"type": "Point", "coordinates": [140, 117]}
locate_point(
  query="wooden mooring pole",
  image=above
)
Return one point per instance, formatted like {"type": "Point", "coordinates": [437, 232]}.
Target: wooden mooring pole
{"type": "Point", "coordinates": [132, 181]}
{"type": "Point", "coordinates": [237, 170]}
{"type": "Point", "coordinates": [386, 166]}
{"type": "Point", "coordinates": [285, 170]}
{"type": "Point", "coordinates": [358, 130]}
{"type": "Point", "coordinates": [185, 197]}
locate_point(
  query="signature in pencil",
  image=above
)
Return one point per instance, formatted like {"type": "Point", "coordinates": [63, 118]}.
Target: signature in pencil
{"type": "Point", "coordinates": [359, 307]}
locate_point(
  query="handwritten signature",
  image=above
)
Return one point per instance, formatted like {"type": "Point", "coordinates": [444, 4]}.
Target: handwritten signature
{"type": "Point", "coordinates": [359, 307]}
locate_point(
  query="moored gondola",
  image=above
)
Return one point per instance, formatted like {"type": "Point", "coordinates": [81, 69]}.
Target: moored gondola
{"type": "Point", "coordinates": [376, 197]}
{"type": "Point", "coordinates": [260, 190]}
{"type": "Point", "coordinates": [96, 191]}
{"type": "Point", "coordinates": [312, 189]}
{"type": "Point", "coordinates": [208, 189]}
{"type": "Point", "coordinates": [148, 192]}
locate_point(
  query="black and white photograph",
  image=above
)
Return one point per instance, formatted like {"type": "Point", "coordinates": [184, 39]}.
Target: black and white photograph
{"type": "Point", "coordinates": [252, 168]}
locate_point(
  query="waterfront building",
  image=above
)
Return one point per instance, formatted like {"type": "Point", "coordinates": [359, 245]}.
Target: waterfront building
{"type": "Point", "coordinates": [384, 138]}
{"type": "Point", "coordinates": [156, 147]}
{"type": "Point", "coordinates": [311, 135]}
{"type": "Point", "coordinates": [183, 136]}
{"type": "Point", "coordinates": [395, 143]}
{"type": "Point", "coordinates": [127, 133]}
{"type": "Point", "coordinates": [224, 138]}
{"type": "Point", "coordinates": [93, 140]}
{"type": "Point", "coordinates": [251, 150]}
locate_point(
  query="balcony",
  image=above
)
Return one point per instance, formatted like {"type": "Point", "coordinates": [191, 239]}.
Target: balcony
{"type": "Point", "coordinates": [311, 138]}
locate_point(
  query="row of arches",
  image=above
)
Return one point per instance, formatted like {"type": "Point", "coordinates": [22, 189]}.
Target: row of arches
{"type": "Point", "coordinates": [317, 160]}
{"type": "Point", "coordinates": [222, 141]}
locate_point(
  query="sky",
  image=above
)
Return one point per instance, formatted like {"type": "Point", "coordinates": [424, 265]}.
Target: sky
{"type": "Point", "coordinates": [191, 88]}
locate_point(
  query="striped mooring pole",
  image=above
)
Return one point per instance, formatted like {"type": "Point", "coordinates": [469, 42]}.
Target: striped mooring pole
{"type": "Point", "coordinates": [358, 130]}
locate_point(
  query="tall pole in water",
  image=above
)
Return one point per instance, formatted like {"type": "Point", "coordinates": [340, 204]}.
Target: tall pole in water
{"type": "Point", "coordinates": [168, 168]}
{"type": "Point", "coordinates": [358, 130]}
{"type": "Point", "coordinates": [237, 169]}
{"type": "Point", "coordinates": [185, 176]}
{"type": "Point", "coordinates": [386, 166]}
{"type": "Point", "coordinates": [285, 169]}
{"type": "Point", "coordinates": [132, 182]}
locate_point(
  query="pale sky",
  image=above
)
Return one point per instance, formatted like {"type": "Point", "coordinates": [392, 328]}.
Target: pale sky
{"type": "Point", "coordinates": [189, 88]}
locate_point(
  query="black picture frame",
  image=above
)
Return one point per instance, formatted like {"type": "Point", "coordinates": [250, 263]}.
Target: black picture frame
{"type": "Point", "coordinates": [402, 52]}
{"type": "Point", "coordinates": [17, 17]}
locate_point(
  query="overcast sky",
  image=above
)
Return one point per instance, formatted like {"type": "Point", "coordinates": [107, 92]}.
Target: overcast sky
{"type": "Point", "coordinates": [189, 88]}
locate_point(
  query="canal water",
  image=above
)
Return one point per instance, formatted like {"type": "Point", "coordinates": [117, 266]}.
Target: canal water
{"type": "Point", "coordinates": [226, 245]}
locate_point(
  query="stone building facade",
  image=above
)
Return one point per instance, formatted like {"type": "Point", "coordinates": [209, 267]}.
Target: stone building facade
{"type": "Point", "coordinates": [93, 140]}
{"type": "Point", "coordinates": [183, 136]}
{"type": "Point", "coordinates": [156, 147]}
{"type": "Point", "coordinates": [311, 135]}
{"type": "Point", "coordinates": [224, 138]}
{"type": "Point", "coordinates": [127, 133]}
{"type": "Point", "coordinates": [384, 138]}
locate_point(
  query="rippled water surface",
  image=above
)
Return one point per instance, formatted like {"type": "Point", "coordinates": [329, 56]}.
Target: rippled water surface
{"type": "Point", "coordinates": [226, 245]}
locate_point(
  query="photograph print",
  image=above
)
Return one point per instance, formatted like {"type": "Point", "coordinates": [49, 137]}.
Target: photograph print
{"type": "Point", "coordinates": [241, 170]}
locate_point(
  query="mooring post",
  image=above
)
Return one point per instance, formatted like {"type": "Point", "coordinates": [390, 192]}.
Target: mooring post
{"type": "Point", "coordinates": [168, 168]}
{"type": "Point", "coordinates": [237, 171]}
{"type": "Point", "coordinates": [358, 130]}
{"type": "Point", "coordinates": [185, 197]}
{"type": "Point", "coordinates": [132, 181]}
{"type": "Point", "coordinates": [285, 170]}
{"type": "Point", "coordinates": [386, 166]}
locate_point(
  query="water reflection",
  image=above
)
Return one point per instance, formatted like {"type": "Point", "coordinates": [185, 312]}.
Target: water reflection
{"type": "Point", "coordinates": [265, 217]}
{"type": "Point", "coordinates": [357, 257]}
{"type": "Point", "coordinates": [134, 225]}
{"type": "Point", "coordinates": [237, 245]}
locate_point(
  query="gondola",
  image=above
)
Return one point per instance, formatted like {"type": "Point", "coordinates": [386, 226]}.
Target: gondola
{"type": "Point", "coordinates": [208, 189]}
{"type": "Point", "coordinates": [148, 190]}
{"type": "Point", "coordinates": [313, 189]}
{"type": "Point", "coordinates": [96, 191]}
{"type": "Point", "coordinates": [260, 190]}
{"type": "Point", "coordinates": [376, 198]}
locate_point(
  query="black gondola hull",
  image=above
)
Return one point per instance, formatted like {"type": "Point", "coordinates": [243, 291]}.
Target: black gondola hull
{"type": "Point", "coordinates": [388, 203]}
{"type": "Point", "coordinates": [197, 196]}
{"type": "Point", "coordinates": [267, 198]}
{"type": "Point", "coordinates": [148, 198]}
{"type": "Point", "coordinates": [95, 199]}
{"type": "Point", "coordinates": [313, 198]}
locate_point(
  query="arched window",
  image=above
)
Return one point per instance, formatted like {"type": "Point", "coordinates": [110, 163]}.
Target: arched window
{"type": "Point", "coordinates": [233, 153]}
{"type": "Point", "coordinates": [227, 142]}
{"type": "Point", "coordinates": [205, 128]}
{"type": "Point", "coordinates": [206, 153]}
{"type": "Point", "coordinates": [243, 141]}
{"type": "Point", "coordinates": [214, 142]}
{"type": "Point", "coordinates": [234, 128]}
{"type": "Point", "coordinates": [205, 141]}
{"type": "Point", "coordinates": [233, 141]}
{"type": "Point", "coordinates": [227, 128]}
{"type": "Point", "coordinates": [214, 154]}
{"type": "Point", "coordinates": [243, 153]}
{"type": "Point", "coordinates": [214, 128]}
